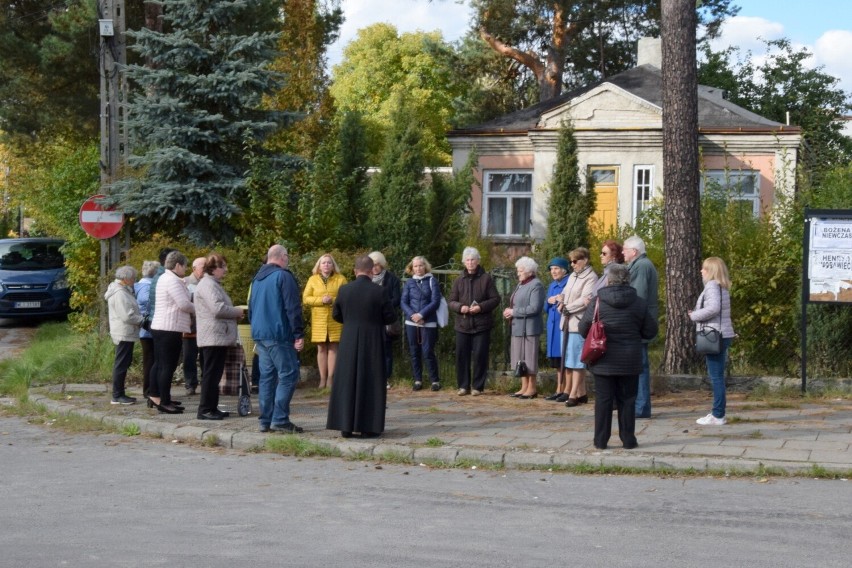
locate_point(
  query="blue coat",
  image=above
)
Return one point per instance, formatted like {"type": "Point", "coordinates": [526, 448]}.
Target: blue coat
{"type": "Point", "coordinates": [421, 296]}
{"type": "Point", "coordinates": [554, 334]}
{"type": "Point", "coordinates": [275, 306]}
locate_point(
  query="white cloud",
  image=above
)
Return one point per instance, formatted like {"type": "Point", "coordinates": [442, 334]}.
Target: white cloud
{"type": "Point", "coordinates": [747, 33]}
{"type": "Point", "coordinates": [832, 50]}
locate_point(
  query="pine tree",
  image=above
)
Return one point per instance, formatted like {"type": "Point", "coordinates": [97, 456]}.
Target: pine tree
{"type": "Point", "coordinates": [449, 207]}
{"type": "Point", "coordinates": [193, 117]}
{"type": "Point", "coordinates": [570, 208]}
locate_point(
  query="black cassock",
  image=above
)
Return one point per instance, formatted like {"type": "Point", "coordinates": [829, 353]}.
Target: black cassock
{"type": "Point", "coordinates": [359, 390]}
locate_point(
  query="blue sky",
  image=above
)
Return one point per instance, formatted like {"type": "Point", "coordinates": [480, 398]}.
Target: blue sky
{"type": "Point", "coordinates": [822, 26]}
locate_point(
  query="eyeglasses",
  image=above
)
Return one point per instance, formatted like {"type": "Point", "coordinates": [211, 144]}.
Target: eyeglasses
{"type": "Point", "coordinates": [575, 261]}
{"type": "Point", "coordinates": [604, 253]}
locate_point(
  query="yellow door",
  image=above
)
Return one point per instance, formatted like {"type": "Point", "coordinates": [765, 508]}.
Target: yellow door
{"type": "Point", "coordinates": [605, 179]}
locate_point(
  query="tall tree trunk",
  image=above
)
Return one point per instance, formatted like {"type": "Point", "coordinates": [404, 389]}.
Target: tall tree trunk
{"type": "Point", "coordinates": [680, 174]}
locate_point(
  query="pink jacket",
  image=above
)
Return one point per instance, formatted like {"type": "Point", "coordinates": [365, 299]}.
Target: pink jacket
{"type": "Point", "coordinates": [171, 312]}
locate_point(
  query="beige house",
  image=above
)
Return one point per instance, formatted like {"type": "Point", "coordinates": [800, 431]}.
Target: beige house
{"type": "Point", "coordinates": [618, 128]}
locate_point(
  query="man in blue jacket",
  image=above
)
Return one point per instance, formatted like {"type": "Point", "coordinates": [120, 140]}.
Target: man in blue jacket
{"type": "Point", "coordinates": [275, 308]}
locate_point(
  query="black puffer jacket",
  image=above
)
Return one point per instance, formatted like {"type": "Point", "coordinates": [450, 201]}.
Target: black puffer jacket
{"type": "Point", "coordinates": [468, 288]}
{"type": "Point", "coordinates": [626, 322]}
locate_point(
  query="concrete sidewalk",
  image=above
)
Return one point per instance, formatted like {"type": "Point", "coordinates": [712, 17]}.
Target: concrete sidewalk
{"type": "Point", "coordinates": [495, 429]}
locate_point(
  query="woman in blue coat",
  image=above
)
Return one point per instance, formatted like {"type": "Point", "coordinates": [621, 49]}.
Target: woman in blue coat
{"type": "Point", "coordinates": [559, 269]}
{"type": "Point", "coordinates": [421, 297]}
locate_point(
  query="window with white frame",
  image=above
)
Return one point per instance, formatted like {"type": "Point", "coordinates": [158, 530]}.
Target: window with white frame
{"type": "Point", "coordinates": [508, 202]}
{"type": "Point", "coordinates": [739, 185]}
{"type": "Point", "coordinates": [643, 189]}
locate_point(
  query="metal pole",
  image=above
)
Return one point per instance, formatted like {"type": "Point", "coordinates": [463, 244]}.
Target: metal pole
{"type": "Point", "coordinates": [803, 331]}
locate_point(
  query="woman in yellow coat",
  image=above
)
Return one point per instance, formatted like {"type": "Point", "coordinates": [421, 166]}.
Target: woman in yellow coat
{"type": "Point", "coordinates": [319, 294]}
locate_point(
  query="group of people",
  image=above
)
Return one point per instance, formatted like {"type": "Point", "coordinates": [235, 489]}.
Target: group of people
{"type": "Point", "coordinates": [354, 323]}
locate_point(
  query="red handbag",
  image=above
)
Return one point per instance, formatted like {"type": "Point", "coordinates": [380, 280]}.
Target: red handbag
{"type": "Point", "coordinates": [595, 344]}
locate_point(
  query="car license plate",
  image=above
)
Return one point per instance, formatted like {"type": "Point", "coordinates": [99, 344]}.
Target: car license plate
{"type": "Point", "coordinates": [24, 305]}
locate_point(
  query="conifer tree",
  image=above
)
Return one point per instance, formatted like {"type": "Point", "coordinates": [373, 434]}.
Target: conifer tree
{"type": "Point", "coordinates": [449, 207]}
{"type": "Point", "coordinates": [194, 117]}
{"type": "Point", "coordinates": [570, 208]}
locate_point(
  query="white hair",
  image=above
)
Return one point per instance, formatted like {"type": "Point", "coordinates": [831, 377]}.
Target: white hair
{"type": "Point", "coordinates": [125, 273]}
{"type": "Point", "coordinates": [470, 252]}
{"type": "Point", "coordinates": [527, 264]}
{"type": "Point", "coordinates": [634, 242]}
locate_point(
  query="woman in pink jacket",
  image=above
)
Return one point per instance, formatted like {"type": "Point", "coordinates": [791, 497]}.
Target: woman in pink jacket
{"type": "Point", "coordinates": [172, 311]}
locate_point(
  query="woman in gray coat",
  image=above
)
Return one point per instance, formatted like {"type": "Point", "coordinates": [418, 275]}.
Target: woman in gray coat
{"type": "Point", "coordinates": [124, 321]}
{"type": "Point", "coordinates": [525, 309]}
{"type": "Point", "coordinates": [216, 322]}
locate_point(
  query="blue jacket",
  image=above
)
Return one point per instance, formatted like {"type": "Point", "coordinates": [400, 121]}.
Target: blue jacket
{"type": "Point", "coordinates": [275, 306]}
{"type": "Point", "coordinates": [421, 296]}
{"type": "Point", "coordinates": [554, 333]}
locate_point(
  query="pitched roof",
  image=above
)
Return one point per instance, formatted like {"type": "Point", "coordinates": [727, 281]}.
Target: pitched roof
{"type": "Point", "coordinates": [645, 82]}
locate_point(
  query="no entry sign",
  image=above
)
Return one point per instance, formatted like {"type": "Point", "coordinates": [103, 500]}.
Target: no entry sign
{"type": "Point", "coordinates": [99, 221]}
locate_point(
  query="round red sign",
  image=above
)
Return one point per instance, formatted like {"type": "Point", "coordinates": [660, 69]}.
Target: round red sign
{"type": "Point", "coordinates": [99, 221]}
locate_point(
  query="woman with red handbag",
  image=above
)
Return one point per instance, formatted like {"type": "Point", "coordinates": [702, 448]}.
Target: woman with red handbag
{"type": "Point", "coordinates": [626, 322]}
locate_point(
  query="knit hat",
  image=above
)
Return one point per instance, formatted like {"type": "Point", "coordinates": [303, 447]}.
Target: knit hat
{"type": "Point", "coordinates": [560, 262]}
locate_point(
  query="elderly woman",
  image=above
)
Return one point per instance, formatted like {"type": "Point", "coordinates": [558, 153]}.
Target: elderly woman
{"type": "Point", "coordinates": [713, 309]}
{"type": "Point", "coordinates": [611, 254]}
{"type": "Point", "coordinates": [143, 290]}
{"type": "Point", "coordinates": [216, 323]}
{"type": "Point", "coordinates": [172, 310]}
{"type": "Point", "coordinates": [421, 297]}
{"type": "Point", "coordinates": [558, 267]}
{"type": "Point", "coordinates": [525, 309]}
{"type": "Point", "coordinates": [627, 322]}
{"type": "Point", "coordinates": [474, 298]}
{"type": "Point", "coordinates": [393, 291]}
{"type": "Point", "coordinates": [575, 298]}
{"type": "Point", "coordinates": [124, 321]}
{"type": "Point", "coordinates": [319, 294]}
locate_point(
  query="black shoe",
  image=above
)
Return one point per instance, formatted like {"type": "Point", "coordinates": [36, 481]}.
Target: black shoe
{"type": "Point", "coordinates": [221, 413]}
{"type": "Point", "coordinates": [209, 416]}
{"type": "Point", "coordinates": [176, 403]}
{"type": "Point", "coordinates": [345, 434]}
{"type": "Point", "coordinates": [529, 396]}
{"type": "Point", "coordinates": [554, 396]}
{"type": "Point", "coordinates": [168, 409]}
{"type": "Point", "coordinates": [435, 387]}
{"type": "Point", "coordinates": [631, 446]}
{"type": "Point", "coordinates": [515, 395]}
{"type": "Point", "coordinates": [370, 434]}
{"type": "Point", "coordinates": [288, 428]}
{"type": "Point", "coordinates": [562, 397]}
{"type": "Point", "coordinates": [417, 386]}
{"type": "Point", "coordinates": [583, 399]}
{"type": "Point", "coordinates": [123, 400]}
{"type": "Point", "coordinates": [263, 428]}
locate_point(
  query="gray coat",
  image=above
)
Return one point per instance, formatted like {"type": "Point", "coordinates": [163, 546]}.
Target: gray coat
{"type": "Point", "coordinates": [527, 309]}
{"type": "Point", "coordinates": [215, 314]}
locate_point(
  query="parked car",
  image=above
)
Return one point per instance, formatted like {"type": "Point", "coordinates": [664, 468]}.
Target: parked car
{"type": "Point", "coordinates": [32, 278]}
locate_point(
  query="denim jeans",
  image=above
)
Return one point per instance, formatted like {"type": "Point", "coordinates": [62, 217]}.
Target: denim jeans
{"type": "Point", "coordinates": [279, 373]}
{"type": "Point", "coordinates": [716, 370]}
{"type": "Point", "coordinates": [421, 344]}
{"type": "Point", "coordinates": [643, 395]}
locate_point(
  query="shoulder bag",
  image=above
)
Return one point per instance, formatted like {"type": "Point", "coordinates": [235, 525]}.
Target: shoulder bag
{"type": "Point", "coordinates": [708, 341]}
{"type": "Point", "coordinates": [595, 344]}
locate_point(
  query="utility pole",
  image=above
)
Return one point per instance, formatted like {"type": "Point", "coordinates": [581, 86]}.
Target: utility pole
{"type": "Point", "coordinates": [111, 60]}
{"type": "Point", "coordinates": [113, 57]}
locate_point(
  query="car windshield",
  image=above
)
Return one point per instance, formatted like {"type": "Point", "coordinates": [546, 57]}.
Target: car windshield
{"type": "Point", "coordinates": [31, 256]}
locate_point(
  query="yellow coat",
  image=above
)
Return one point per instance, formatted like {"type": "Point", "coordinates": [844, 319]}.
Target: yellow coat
{"type": "Point", "coordinates": [323, 327]}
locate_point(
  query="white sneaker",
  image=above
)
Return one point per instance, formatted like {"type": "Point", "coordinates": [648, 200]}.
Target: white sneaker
{"type": "Point", "coordinates": [475, 392]}
{"type": "Point", "coordinates": [711, 420]}
{"type": "Point", "coordinates": [462, 392]}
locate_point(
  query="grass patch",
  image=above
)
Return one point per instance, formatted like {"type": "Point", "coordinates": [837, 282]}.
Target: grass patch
{"type": "Point", "coordinates": [755, 434]}
{"type": "Point", "coordinates": [478, 464]}
{"type": "Point", "coordinates": [393, 456]}
{"type": "Point", "coordinates": [290, 445]}
{"type": "Point", "coordinates": [72, 423]}
{"type": "Point", "coordinates": [210, 441]}
{"type": "Point", "coordinates": [426, 409]}
{"type": "Point", "coordinates": [58, 355]}
{"type": "Point", "coordinates": [130, 429]}
{"type": "Point", "coordinates": [435, 442]}
{"type": "Point", "coordinates": [820, 472]}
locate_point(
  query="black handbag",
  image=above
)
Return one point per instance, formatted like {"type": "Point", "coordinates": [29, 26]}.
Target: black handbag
{"type": "Point", "coordinates": [708, 340]}
{"type": "Point", "coordinates": [521, 369]}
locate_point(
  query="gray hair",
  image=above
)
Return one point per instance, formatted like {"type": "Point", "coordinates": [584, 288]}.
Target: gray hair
{"type": "Point", "coordinates": [634, 242]}
{"type": "Point", "coordinates": [470, 252]}
{"type": "Point", "coordinates": [173, 259]}
{"type": "Point", "coordinates": [149, 268]}
{"type": "Point", "coordinates": [527, 264]}
{"type": "Point", "coordinates": [618, 275]}
{"type": "Point", "coordinates": [277, 252]}
{"type": "Point", "coordinates": [125, 273]}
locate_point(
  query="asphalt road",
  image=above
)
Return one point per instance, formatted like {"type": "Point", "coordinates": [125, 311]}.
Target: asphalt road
{"type": "Point", "coordinates": [108, 500]}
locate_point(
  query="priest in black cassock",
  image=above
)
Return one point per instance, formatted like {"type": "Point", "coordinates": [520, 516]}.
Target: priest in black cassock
{"type": "Point", "coordinates": [359, 390]}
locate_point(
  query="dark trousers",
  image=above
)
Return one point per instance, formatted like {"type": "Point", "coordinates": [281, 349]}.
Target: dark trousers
{"type": "Point", "coordinates": [421, 344]}
{"type": "Point", "coordinates": [147, 363]}
{"type": "Point", "coordinates": [388, 358]}
{"type": "Point", "coordinates": [123, 359]}
{"type": "Point", "coordinates": [190, 362]}
{"type": "Point", "coordinates": [167, 346]}
{"type": "Point", "coordinates": [212, 367]}
{"type": "Point", "coordinates": [622, 389]}
{"type": "Point", "coordinates": [472, 346]}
